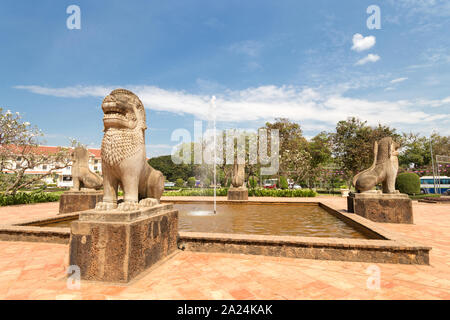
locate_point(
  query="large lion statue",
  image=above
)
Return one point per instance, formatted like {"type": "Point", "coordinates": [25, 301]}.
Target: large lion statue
{"type": "Point", "coordinates": [82, 176]}
{"type": "Point", "coordinates": [124, 161]}
{"type": "Point", "coordinates": [383, 170]}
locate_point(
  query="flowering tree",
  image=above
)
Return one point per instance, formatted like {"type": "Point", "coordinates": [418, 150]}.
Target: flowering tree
{"type": "Point", "coordinates": [19, 152]}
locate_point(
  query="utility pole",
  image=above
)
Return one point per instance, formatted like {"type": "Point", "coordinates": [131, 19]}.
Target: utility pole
{"type": "Point", "coordinates": [432, 161]}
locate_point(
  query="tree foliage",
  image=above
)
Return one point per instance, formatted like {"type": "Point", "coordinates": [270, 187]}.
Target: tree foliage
{"type": "Point", "coordinates": [353, 144]}
{"type": "Point", "coordinates": [19, 152]}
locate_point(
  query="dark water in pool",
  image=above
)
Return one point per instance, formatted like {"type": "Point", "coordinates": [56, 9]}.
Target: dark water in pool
{"type": "Point", "coordinates": [264, 219]}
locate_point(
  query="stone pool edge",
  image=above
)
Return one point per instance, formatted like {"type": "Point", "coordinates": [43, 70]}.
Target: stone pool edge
{"type": "Point", "coordinates": [388, 248]}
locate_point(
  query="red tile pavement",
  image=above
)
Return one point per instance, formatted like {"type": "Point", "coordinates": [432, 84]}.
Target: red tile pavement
{"type": "Point", "coordinates": [37, 270]}
{"type": "Point", "coordinates": [17, 213]}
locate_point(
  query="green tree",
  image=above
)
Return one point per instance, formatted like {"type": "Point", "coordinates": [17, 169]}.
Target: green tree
{"type": "Point", "coordinates": [19, 152]}
{"type": "Point", "coordinates": [206, 182]}
{"type": "Point", "coordinates": [252, 182]}
{"type": "Point", "coordinates": [170, 170]}
{"type": "Point", "coordinates": [353, 144]}
{"type": "Point", "coordinates": [191, 182]}
{"type": "Point", "coordinates": [294, 156]}
{"type": "Point", "coordinates": [416, 151]}
{"type": "Point", "coordinates": [320, 149]}
{"type": "Point", "coordinates": [284, 183]}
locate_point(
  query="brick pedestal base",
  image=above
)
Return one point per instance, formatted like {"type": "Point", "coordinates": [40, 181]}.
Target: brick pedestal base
{"type": "Point", "coordinates": [237, 194]}
{"type": "Point", "coordinates": [381, 207]}
{"type": "Point", "coordinates": [73, 201]}
{"type": "Point", "coordinates": [117, 246]}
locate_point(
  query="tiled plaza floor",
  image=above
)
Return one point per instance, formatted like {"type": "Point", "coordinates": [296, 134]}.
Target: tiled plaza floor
{"type": "Point", "coordinates": [37, 270]}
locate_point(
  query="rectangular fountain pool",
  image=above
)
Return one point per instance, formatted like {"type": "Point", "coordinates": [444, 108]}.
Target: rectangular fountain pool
{"type": "Point", "coordinates": [264, 219]}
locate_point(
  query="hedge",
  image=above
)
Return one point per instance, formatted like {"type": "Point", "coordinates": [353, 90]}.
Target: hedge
{"type": "Point", "coordinates": [28, 197]}
{"type": "Point", "coordinates": [282, 193]}
{"type": "Point", "coordinates": [197, 192]}
{"type": "Point", "coordinates": [251, 192]}
{"type": "Point", "coordinates": [408, 182]}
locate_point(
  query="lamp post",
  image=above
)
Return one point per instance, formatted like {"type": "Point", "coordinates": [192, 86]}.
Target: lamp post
{"type": "Point", "coordinates": [432, 161]}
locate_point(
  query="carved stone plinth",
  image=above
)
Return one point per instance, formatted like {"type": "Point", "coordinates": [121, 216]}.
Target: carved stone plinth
{"type": "Point", "coordinates": [381, 207]}
{"type": "Point", "coordinates": [73, 201]}
{"type": "Point", "coordinates": [117, 246]}
{"type": "Point", "coordinates": [238, 194]}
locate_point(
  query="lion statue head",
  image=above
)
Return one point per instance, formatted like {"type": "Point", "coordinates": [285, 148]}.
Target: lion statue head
{"type": "Point", "coordinates": [124, 126]}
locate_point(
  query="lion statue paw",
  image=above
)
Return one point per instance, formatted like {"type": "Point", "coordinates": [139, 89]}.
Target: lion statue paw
{"type": "Point", "coordinates": [105, 206]}
{"type": "Point", "coordinates": [148, 202]}
{"type": "Point", "coordinates": [128, 206]}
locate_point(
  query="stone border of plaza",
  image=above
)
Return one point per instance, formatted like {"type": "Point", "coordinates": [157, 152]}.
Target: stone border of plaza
{"type": "Point", "coordinates": [387, 247]}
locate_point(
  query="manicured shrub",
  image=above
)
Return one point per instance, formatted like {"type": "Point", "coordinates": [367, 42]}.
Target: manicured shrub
{"type": "Point", "coordinates": [284, 183]}
{"type": "Point", "coordinates": [29, 197]}
{"type": "Point", "coordinates": [179, 183]}
{"type": "Point", "coordinates": [191, 182]}
{"type": "Point", "coordinates": [408, 182]}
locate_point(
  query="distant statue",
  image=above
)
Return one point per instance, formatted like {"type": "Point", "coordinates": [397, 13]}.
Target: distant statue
{"type": "Point", "coordinates": [238, 177]}
{"type": "Point", "coordinates": [82, 176]}
{"type": "Point", "coordinates": [124, 161]}
{"type": "Point", "coordinates": [383, 170]}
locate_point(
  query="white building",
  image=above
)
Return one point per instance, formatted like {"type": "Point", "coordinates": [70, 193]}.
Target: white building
{"type": "Point", "coordinates": [63, 176]}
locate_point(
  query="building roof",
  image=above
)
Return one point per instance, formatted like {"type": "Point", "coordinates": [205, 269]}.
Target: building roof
{"type": "Point", "coordinates": [46, 150]}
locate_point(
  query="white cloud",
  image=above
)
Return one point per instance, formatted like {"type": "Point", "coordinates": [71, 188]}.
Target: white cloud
{"type": "Point", "coordinates": [311, 107]}
{"type": "Point", "coordinates": [370, 58]}
{"type": "Point", "coordinates": [361, 43]}
{"type": "Point", "coordinates": [398, 80]}
{"type": "Point", "coordinates": [69, 92]}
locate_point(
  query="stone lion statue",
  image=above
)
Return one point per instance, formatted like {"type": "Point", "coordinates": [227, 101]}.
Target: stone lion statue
{"type": "Point", "coordinates": [383, 170]}
{"type": "Point", "coordinates": [238, 174]}
{"type": "Point", "coordinates": [124, 161]}
{"type": "Point", "coordinates": [82, 176]}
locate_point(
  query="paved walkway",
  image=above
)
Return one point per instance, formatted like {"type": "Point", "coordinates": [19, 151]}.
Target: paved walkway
{"type": "Point", "coordinates": [22, 212]}
{"type": "Point", "coordinates": [37, 270]}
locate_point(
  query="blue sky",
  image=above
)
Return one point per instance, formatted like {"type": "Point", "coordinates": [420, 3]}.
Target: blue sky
{"type": "Point", "coordinates": [315, 62]}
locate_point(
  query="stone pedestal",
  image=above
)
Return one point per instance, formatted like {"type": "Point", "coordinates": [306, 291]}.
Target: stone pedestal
{"type": "Point", "coordinates": [116, 246]}
{"type": "Point", "coordinates": [73, 201]}
{"type": "Point", "coordinates": [238, 194]}
{"type": "Point", "coordinates": [381, 207]}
